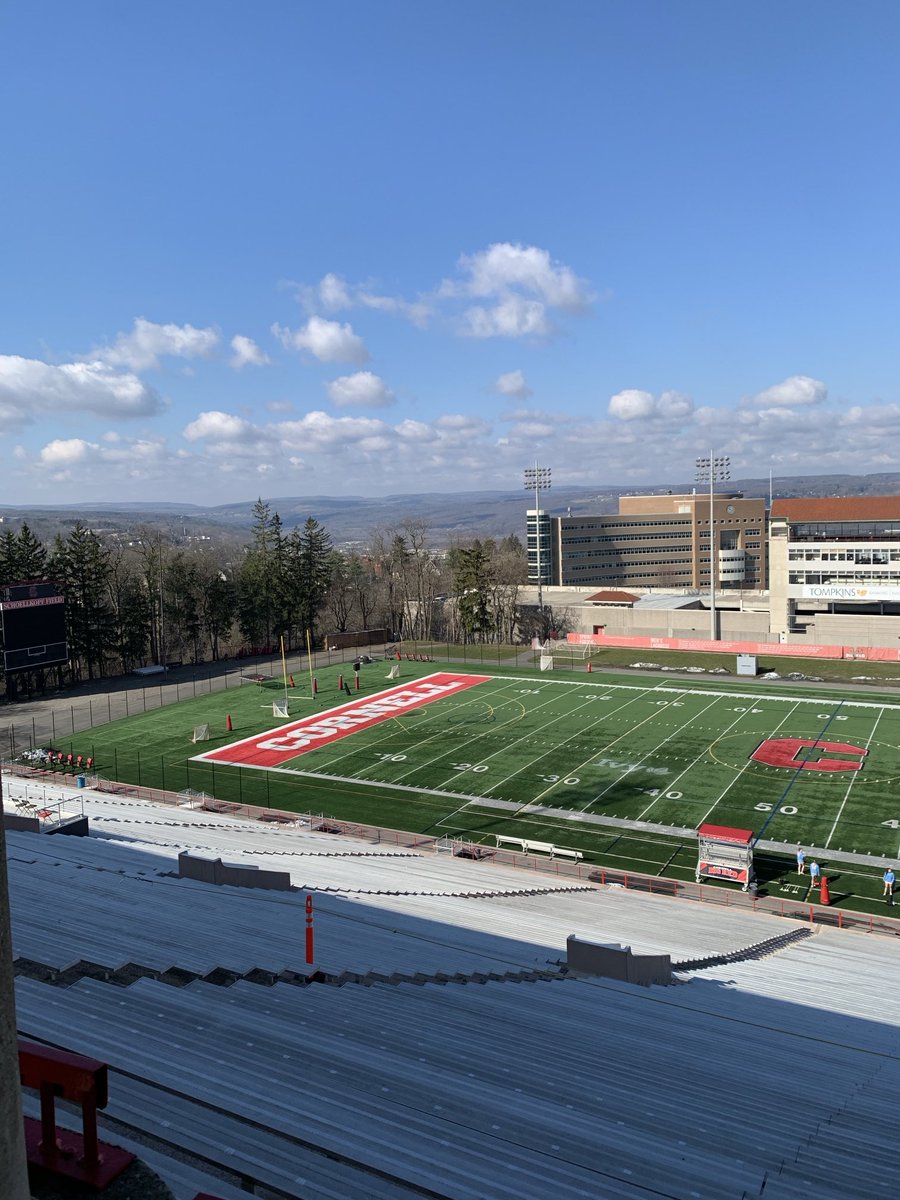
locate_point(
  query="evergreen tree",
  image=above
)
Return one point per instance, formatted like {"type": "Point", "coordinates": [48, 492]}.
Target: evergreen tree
{"type": "Point", "coordinates": [474, 577]}
{"type": "Point", "coordinates": [82, 565]}
{"type": "Point", "coordinates": [312, 565]}
{"type": "Point", "coordinates": [259, 585]}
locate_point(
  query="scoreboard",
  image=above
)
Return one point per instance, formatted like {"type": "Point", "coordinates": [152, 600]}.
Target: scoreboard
{"type": "Point", "coordinates": [33, 626]}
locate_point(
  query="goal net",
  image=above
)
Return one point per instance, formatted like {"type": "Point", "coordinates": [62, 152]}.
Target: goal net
{"type": "Point", "coordinates": [546, 662]}
{"type": "Point", "coordinates": [280, 710]}
{"type": "Point", "coordinates": [201, 733]}
{"type": "Point", "coordinates": [394, 672]}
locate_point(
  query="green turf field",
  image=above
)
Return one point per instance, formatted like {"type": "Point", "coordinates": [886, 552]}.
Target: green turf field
{"type": "Point", "coordinates": [552, 758]}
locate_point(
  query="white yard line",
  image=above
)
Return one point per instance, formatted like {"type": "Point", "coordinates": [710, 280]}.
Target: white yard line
{"type": "Point", "coordinates": [430, 715]}
{"type": "Point", "coordinates": [501, 749]}
{"type": "Point", "coordinates": [850, 785]}
{"type": "Point", "coordinates": [693, 764]}
{"type": "Point", "coordinates": [748, 763]}
{"type": "Point", "coordinates": [533, 762]}
{"type": "Point", "coordinates": [675, 732]}
{"type": "Point", "coordinates": [603, 749]}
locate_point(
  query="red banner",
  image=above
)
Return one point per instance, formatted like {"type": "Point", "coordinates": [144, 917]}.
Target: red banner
{"type": "Point", "coordinates": [784, 649]}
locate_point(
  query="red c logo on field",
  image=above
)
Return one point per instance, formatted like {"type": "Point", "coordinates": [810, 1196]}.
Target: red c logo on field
{"type": "Point", "coordinates": [784, 752]}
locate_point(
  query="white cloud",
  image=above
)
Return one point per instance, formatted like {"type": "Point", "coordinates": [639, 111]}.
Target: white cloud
{"type": "Point", "coordinates": [505, 266]}
{"type": "Point", "coordinates": [513, 384]}
{"type": "Point", "coordinates": [632, 404]}
{"type": "Point", "coordinates": [512, 317]}
{"type": "Point", "coordinates": [220, 427]}
{"type": "Point", "coordinates": [525, 283]}
{"type": "Point", "coordinates": [334, 294]}
{"type": "Point", "coordinates": [148, 342]}
{"type": "Point", "coordinates": [29, 387]}
{"type": "Point", "coordinates": [246, 353]}
{"type": "Point", "coordinates": [125, 459]}
{"type": "Point", "coordinates": [360, 390]}
{"type": "Point", "coordinates": [328, 341]}
{"type": "Point", "coordinates": [67, 452]}
{"type": "Point", "coordinates": [799, 391]}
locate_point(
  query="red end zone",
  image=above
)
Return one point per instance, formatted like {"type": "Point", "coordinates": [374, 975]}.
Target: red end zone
{"type": "Point", "coordinates": [277, 746]}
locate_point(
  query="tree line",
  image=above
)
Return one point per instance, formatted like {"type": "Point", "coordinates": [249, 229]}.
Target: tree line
{"type": "Point", "coordinates": [159, 599]}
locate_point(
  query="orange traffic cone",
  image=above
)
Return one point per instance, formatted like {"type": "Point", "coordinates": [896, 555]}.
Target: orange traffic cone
{"type": "Point", "coordinates": [589, 668]}
{"type": "Point", "coordinates": [824, 897]}
{"type": "Point", "coordinates": [228, 724]}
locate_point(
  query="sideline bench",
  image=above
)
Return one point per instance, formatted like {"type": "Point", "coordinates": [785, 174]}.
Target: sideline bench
{"type": "Point", "coordinates": [526, 846]}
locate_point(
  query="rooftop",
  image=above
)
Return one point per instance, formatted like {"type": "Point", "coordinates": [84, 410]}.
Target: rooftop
{"type": "Point", "coordinates": [838, 508]}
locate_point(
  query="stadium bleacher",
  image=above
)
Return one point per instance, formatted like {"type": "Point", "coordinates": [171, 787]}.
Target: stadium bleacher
{"type": "Point", "coordinates": [438, 1047]}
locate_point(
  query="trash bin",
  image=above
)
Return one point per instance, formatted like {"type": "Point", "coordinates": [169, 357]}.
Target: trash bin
{"type": "Point", "coordinates": [79, 780]}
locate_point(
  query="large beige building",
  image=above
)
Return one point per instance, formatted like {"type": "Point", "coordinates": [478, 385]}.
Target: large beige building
{"type": "Point", "coordinates": [834, 570]}
{"type": "Point", "coordinates": [663, 541]}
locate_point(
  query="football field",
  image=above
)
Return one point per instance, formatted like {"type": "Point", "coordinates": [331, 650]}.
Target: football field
{"type": "Point", "coordinates": [796, 768]}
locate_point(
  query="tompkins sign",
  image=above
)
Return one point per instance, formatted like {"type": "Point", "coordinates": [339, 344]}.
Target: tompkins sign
{"type": "Point", "coordinates": [843, 591]}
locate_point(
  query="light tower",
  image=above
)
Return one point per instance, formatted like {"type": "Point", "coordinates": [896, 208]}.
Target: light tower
{"type": "Point", "coordinates": [710, 470]}
{"type": "Point", "coordinates": [537, 479]}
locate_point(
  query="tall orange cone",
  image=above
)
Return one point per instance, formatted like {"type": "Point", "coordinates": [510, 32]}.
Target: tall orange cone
{"type": "Point", "coordinates": [589, 667]}
{"type": "Point", "coordinates": [228, 724]}
{"type": "Point", "coordinates": [824, 897]}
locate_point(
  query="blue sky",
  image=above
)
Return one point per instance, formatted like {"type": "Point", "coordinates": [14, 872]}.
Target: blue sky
{"type": "Point", "coordinates": [289, 249]}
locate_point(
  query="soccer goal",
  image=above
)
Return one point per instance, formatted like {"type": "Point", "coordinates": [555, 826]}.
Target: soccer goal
{"type": "Point", "coordinates": [201, 733]}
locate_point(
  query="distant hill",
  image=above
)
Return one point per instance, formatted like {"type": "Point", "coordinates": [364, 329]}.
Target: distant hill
{"type": "Point", "coordinates": [351, 519]}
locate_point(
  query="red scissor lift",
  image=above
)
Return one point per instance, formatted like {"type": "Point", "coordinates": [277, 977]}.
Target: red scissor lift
{"type": "Point", "coordinates": [725, 853]}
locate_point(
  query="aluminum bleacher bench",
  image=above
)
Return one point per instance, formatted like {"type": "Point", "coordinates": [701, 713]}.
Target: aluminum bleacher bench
{"type": "Point", "coordinates": [526, 846]}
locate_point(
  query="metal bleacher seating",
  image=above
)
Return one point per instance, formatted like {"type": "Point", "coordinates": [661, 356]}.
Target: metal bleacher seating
{"type": "Point", "coordinates": [437, 1046]}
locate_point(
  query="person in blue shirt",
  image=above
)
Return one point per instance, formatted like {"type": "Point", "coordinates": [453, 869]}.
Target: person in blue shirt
{"type": "Point", "coordinates": [814, 874]}
{"type": "Point", "coordinates": [888, 878]}
{"type": "Point", "coordinates": [801, 859]}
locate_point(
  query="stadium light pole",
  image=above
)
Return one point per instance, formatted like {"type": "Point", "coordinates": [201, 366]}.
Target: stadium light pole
{"type": "Point", "coordinates": [538, 479]}
{"type": "Point", "coordinates": [712, 469]}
